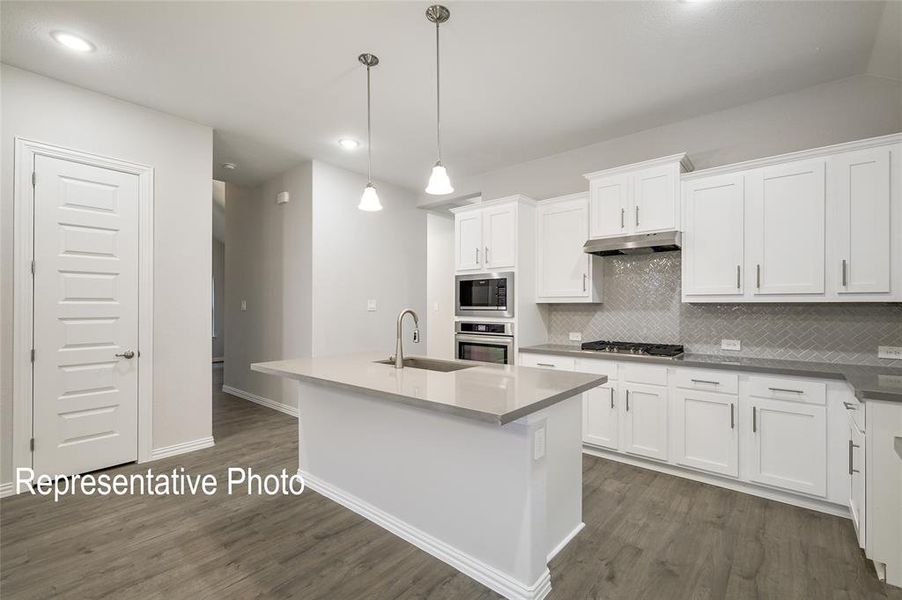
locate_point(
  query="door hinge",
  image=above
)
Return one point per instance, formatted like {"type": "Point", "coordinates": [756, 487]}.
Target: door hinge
{"type": "Point", "coordinates": [31, 444]}
{"type": "Point", "coordinates": [34, 179]}
{"type": "Point", "coordinates": [32, 355]}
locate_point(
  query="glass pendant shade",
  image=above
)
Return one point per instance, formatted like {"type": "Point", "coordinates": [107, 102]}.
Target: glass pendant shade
{"type": "Point", "coordinates": [369, 201]}
{"type": "Point", "coordinates": [439, 183]}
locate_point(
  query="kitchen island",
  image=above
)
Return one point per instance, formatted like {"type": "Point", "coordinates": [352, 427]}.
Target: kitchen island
{"type": "Point", "coordinates": [477, 464]}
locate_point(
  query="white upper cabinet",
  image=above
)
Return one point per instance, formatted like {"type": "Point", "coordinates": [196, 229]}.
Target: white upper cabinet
{"type": "Point", "coordinates": [564, 273]}
{"type": "Point", "coordinates": [468, 240]}
{"type": "Point", "coordinates": [820, 225]}
{"type": "Point", "coordinates": [637, 198]}
{"type": "Point", "coordinates": [499, 237]}
{"type": "Point", "coordinates": [787, 210]}
{"type": "Point", "coordinates": [714, 218]}
{"type": "Point", "coordinates": [861, 217]}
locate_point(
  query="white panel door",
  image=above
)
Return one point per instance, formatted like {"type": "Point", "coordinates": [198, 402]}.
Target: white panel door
{"type": "Point", "coordinates": [655, 199]}
{"type": "Point", "coordinates": [644, 419]}
{"type": "Point", "coordinates": [705, 433]}
{"type": "Point", "coordinates": [468, 240]}
{"type": "Point", "coordinates": [601, 416]}
{"type": "Point", "coordinates": [789, 445]}
{"type": "Point", "coordinates": [609, 201]}
{"type": "Point", "coordinates": [862, 223]}
{"type": "Point", "coordinates": [563, 267]}
{"type": "Point", "coordinates": [85, 313]}
{"type": "Point", "coordinates": [857, 500]}
{"type": "Point", "coordinates": [787, 228]}
{"type": "Point", "coordinates": [713, 227]}
{"type": "Point", "coordinates": [499, 236]}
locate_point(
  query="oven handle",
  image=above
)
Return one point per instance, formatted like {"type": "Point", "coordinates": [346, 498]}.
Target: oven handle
{"type": "Point", "coordinates": [489, 339]}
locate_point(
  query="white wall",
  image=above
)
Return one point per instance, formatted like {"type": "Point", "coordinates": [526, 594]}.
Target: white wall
{"type": "Point", "coordinates": [834, 112]}
{"type": "Point", "coordinates": [440, 284]}
{"type": "Point", "coordinates": [268, 264]}
{"type": "Point", "coordinates": [307, 269]}
{"type": "Point", "coordinates": [359, 256]}
{"type": "Point", "coordinates": [181, 153]}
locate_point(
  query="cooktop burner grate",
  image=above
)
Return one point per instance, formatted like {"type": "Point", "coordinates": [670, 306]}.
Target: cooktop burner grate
{"type": "Point", "coordinates": [658, 350]}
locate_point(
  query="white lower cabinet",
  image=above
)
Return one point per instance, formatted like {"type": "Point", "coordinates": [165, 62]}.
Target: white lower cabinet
{"type": "Point", "coordinates": [601, 416]}
{"type": "Point", "coordinates": [704, 429]}
{"type": "Point", "coordinates": [788, 445]}
{"type": "Point", "coordinates": [644, 418]}
{"type": "Point", "coordinates": [857, 502]}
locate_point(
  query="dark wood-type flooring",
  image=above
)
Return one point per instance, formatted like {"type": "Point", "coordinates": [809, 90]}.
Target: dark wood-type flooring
{"type": "Point", "coordinates": [647, 535]}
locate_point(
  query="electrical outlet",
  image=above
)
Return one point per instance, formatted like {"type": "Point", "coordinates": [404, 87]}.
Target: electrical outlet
{"type": "Point", "coordinates": [243, 305]}
{"type": "Point", "coordinates": [890, 352]}
{"type": "Point", "coordinates": [576, 336]}
{"type": "Point", "coordinates": [730, 344]}
{"type": "Point", "coordinates": [371, 306]}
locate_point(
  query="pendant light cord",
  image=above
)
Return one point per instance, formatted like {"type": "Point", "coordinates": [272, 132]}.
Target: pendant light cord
{"type": "Point", "coordinates": [438, 97]}
{"type": "Point", "coordinates": [369, 135]}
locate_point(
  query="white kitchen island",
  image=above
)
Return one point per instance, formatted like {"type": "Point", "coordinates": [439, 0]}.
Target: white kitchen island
{"type": "Point", "coordinates": [480, 467]}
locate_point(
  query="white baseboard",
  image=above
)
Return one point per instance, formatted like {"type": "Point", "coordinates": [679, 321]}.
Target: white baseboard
{"type": "Point", "coordinates": [466, 564]}
{"type": "Point", "coordinates": [6, 489]}
{"type": "Point", "coordinates": [175, 449]}
{"type": "Point", "coordinates": [738, 486]}
{"type": "Point", "coordinates": [288, 410]}
{"type": "Point", "coordinates": [563, 543]}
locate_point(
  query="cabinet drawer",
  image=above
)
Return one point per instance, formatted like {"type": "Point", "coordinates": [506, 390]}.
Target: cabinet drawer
{"type": "Point", "coordinates": [709, 381]}
{"type": "Point", "coordinates": [648, 374]}
{"type": "Point", "coordinates": [811, 392]}
{"type": "Point", "coordinates": [566, 363]}
{"type": "Point", "coordinates": [598, 367]}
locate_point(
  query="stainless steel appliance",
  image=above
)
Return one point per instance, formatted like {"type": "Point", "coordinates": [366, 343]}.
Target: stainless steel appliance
{"type": "Point", "coordinates": [640, 243]}
{"type": "Point", "coordinates": [650, 350]}
{"type": "Point", "coordinates": [486, 342]}
{"type": "Point", "coordinates": [484, 295]}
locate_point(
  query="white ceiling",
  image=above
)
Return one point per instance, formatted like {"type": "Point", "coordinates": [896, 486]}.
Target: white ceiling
{"type": "Point", "coordinates": [280, 82]}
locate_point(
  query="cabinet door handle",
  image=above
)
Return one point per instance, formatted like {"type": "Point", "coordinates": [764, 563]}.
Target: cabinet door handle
{"type": "Point", "coordinates": [758, 276]}
{"type": "Point", "coordinates": [622, 214]}
{"type": "Point", "coordinates": [738, 278]}
{"type": "Point", "coordinates": [637, 215]}
{"type": "Point", "coordinates": [852, 468]}
{"type": "Point", "coordinates": [732, 416]}
{"type": "Point", "coordinates": [844, 281]}
{"type": "Point", "coordinates": [487, 261]}
{"type": "Point", "coordinates": [754, 419]}
{"type": "Point", "coordinates": [585, 277]}
{"type": "Point", "coordinates": [786, 390]}
{"type": "Point", "coordinates": [704, 381]}
{"type": "Point", "coordinates": [612, 396]}
{"type": "Point", "coordinates": [627, 400]}
{"type": "Point", "coordinates": [477, 256]}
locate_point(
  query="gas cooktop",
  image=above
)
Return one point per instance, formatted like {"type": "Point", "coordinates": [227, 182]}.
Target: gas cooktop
{"type": "Point", "coordinates": [655, 350]}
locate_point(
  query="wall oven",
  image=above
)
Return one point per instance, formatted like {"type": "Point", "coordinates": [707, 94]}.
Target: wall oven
{"type": "Point", "coordinates": [484, 295]}
{"type": "Point", "coordinates": [486, 342]}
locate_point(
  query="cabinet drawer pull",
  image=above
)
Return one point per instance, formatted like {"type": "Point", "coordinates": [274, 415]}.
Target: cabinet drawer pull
{"type": "Point", "coordinates": [544, 365]}
{"type": "Point", "coordinates": [754, 419]}
{"type": "Point", "coordinates": [773, 389]}
{"type": "Point", "coordinates": [705, 381]}
{"type": "Point", "coordinates": [849, 406]}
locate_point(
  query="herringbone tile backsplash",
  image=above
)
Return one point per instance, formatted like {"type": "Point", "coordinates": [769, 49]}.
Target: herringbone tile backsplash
{"type": "Point", "coordinates": [642, 303]}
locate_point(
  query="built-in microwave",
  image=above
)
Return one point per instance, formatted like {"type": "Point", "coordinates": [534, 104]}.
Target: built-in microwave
{"type": "Point", "coordinates": [484, 295]}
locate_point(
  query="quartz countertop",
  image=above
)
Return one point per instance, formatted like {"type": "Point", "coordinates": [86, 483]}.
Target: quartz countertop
{"type": "Point", "coordinates": [869, 383]}
{"type": "Point", "coordinates": [487, 392]}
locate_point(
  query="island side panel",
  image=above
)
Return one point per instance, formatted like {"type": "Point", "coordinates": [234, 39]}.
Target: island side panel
{"type": "Point", "coordinates": [472, 485]}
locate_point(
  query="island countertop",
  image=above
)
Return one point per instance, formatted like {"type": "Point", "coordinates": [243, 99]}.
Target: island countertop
{"type": "Point", "coordinates": [487, 392]}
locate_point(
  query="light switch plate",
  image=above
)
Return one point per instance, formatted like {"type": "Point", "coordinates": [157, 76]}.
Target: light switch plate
{"type": "Point", "coordinates": [891, 352]}
{"type": "Point", "coordinates": [731, 344]}
{"type": "Point", "coordinates": [371, 306]}
{"type": "Point", "coordinates": [243, 305]}
{"type": "Point", "coordinates": [576, 336]}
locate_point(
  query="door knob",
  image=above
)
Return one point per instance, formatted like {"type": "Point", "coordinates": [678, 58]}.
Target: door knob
{"type": "Point", "coordinates": [126, 354]}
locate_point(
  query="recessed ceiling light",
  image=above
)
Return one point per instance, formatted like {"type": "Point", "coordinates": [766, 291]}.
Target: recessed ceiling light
{"type": "Point", "coordinates": [348, 143]}
{"type": "Point", "coordinates": [229, 166]}
{"type": "Point", "coordinates": [72, 41]}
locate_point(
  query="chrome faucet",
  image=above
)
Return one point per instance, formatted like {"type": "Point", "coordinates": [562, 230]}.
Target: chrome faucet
{"type": "Point", "coordinates": [399, 350]}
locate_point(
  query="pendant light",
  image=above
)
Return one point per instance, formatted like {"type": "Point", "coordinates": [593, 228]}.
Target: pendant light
{"type": "Point", "coordinates": [369, 201]}
{"type": "Point", "coordinates": [439, 183]}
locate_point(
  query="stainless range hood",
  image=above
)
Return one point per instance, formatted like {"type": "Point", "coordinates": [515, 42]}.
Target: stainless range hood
{"type": "Point", "coordinates": [641, 243]}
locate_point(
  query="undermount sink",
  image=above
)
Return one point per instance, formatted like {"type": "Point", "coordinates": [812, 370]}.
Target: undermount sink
{"type": "Point", "coordinates": [429, 364]}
